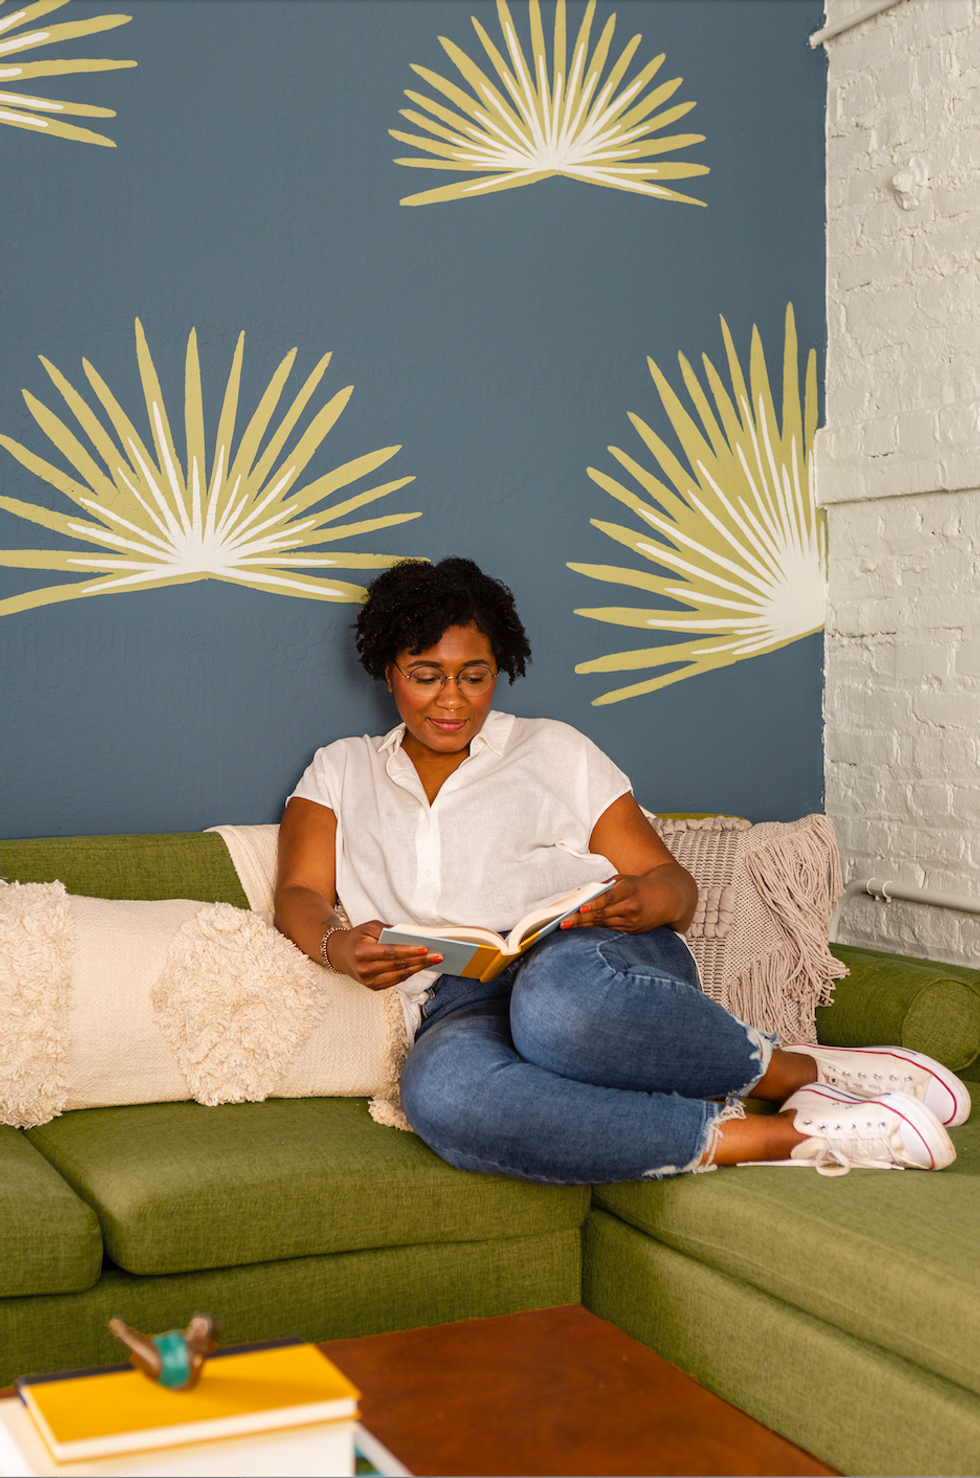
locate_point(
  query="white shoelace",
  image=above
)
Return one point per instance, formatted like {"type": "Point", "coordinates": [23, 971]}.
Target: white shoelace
{"type": "Point", "coordinates": [843, 1150]}
{"type": "Point", "coordinates": [875, 1083]}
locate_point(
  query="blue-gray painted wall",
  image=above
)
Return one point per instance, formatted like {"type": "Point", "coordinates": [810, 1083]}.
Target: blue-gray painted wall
{"type": "Point", "coordinates": [501, 341]}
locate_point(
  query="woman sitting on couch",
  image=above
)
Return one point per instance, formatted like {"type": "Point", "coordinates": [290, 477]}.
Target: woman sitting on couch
{"type": "Point", "coordinates": [595, 1057]}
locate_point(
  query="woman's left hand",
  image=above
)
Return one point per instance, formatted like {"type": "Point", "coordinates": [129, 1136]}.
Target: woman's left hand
{"type": "Point", "coordinates": [634, 905]}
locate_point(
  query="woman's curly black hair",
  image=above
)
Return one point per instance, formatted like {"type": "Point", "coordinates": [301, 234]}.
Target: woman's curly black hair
{"type": "Point", "coordinates": [411, 605]}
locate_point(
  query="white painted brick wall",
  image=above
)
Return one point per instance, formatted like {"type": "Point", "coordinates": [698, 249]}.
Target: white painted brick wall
{"type": "Point", "coordinates": [898, 467]}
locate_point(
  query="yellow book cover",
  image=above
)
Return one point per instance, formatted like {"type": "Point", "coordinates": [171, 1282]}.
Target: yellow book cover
{"type": "Point", "coordinates": [98, 1413]}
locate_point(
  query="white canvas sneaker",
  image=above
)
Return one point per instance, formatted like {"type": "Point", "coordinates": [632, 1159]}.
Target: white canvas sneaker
{"type": "Point", "coordinates": [895, 1131]}
{"type": "Point", "coordinates": [868, 1072]}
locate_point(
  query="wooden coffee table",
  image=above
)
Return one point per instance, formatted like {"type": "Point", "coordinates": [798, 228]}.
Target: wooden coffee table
{"type": "Point", "coordinates": [556, 1391]}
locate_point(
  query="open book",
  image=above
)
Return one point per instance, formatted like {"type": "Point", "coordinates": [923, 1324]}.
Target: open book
{"type": "Point", "coordinates": [481, 954]}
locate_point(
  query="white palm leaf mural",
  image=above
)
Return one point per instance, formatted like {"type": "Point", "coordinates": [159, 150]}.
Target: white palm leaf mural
{"type": "Point", "coordinates": [738, 528]}
{"type": "Point", "coordinates": [536, 118]}
{"type": "Point", "coordinates": [242, 515]}
{"type": "Point", "coordinates": [25, 29]}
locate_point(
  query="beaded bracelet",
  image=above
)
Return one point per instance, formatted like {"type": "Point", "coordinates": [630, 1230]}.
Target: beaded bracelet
{"type": "Point", "coordinates": [335, 929]}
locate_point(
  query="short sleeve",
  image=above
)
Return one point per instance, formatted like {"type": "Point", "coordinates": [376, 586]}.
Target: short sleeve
{"type": "Point", "coordinates": [604, 781]}
{"type": "Point", "coordinates": [322, 780]}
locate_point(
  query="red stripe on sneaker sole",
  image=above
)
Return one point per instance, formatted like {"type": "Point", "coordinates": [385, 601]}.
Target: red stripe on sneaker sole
{"type": "Point", "coordinates": [836, 1095]}
{"type": "Point", "coordinates": [932, 1158]}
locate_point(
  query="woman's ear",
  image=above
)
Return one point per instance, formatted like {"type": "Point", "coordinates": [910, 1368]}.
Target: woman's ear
{"type": "Point", "coordinates": [388, 679]}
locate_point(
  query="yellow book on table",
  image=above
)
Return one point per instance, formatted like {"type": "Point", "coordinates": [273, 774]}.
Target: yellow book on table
{"type": "Point", "coordinates": [99, 1413]}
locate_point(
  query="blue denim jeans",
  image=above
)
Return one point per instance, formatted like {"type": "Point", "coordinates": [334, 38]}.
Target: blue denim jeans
{"type": "Point", "coordinates": [589, 1061]}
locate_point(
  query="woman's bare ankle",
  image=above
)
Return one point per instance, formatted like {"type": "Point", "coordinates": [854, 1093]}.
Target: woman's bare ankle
{"type": "Point", "coordinates": [786, 1073]}
{"type": "Point", "coordinates": [756, 1137]}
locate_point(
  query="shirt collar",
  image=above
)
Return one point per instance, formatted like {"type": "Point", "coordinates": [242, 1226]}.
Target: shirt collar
{"type": "Point", "coordinates": [493, 735]}
{"type": "Point", "coordinates": [392, 740]}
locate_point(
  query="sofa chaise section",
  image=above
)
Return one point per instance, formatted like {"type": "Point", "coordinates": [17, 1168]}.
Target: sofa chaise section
{"type": "Point", "coordinates": [857, 1406]}
{"type": "Point", "coordinates": [886, 1256]}
{"type": "Point", "coordinates": [844, 1312]}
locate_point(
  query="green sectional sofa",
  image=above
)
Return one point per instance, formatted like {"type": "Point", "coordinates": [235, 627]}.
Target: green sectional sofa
{"type": "Point", "coordinates": [843, 1312]}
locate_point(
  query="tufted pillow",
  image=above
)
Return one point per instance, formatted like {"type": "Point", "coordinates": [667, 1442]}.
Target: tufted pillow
{"type": "Point", "coordinates": [760, 933]}
{"type": "Point", "coordinates": [120, 1002]}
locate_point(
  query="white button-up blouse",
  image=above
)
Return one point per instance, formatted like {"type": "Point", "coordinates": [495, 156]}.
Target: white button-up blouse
{"type": "Point", "coordinates": [509, 829]}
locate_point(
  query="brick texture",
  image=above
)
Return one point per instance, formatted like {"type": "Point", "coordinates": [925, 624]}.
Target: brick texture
{"type": "Point", "coordinates": [898, 467]}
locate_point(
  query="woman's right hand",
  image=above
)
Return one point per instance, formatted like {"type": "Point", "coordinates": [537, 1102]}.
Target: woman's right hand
{"type": "Point", "coordinates": [357, 952]}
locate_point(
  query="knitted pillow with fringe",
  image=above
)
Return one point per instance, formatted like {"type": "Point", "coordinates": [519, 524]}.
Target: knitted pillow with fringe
{"type": "Point", "coordinates": [760, 933]}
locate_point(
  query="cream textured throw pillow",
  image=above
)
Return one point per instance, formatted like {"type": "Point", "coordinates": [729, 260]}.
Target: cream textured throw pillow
{"type": "Point", "coordinates": [760, 933]}
{"type": "Point", "coordinates": [36, 948]}
{"type": "Point", "coordinates": [131, 1002]}
{"type": "Point", "coordinates": [254, 854]}
{"type": "Point", "coordinates": [247, 1015]}
{"type": "Point", "coordinates": [115, 1051]}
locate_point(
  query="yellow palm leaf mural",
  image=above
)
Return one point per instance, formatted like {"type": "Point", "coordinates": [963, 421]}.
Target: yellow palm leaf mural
{"type": "Point", "coordinates": [25, 29]}
{"type": "Point", "coordinates": [540, 118]}
{"type": "Point", "coordinates": [239, 516]}
{"type": "Point", "coordinates": [738, 528]}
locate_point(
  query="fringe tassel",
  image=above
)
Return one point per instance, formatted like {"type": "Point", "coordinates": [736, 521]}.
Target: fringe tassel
{"type": "Point", "coordinates": [798, 877]}
{"type": "Point", "coordinates": [387, 1107]}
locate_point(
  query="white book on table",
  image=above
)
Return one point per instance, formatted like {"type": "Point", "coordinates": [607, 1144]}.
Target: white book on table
{"type": "Point", "coordinates": [368, 1446]}
{"type": "Point", "coordinates": [323, 1450]}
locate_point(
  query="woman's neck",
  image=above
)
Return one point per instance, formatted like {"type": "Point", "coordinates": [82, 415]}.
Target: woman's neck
{"type": "Point", "coordinates": [433, 768]}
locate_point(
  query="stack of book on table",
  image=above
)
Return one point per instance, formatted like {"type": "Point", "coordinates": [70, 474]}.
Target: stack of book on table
{"type": "Point", "coordinates": [281, 1408]}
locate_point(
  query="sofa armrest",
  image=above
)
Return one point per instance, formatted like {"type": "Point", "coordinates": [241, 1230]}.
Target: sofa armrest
{"type": "Point", "coordinates": [894, 999]}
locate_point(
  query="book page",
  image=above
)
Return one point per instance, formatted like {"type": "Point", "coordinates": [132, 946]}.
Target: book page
{"type": "Point", "coordinates": [545, 920]}
{"type": "Point", "coordinates": [459, 944]}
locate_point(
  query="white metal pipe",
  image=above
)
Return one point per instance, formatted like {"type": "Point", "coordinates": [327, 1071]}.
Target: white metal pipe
{"type": "Point", "coordinates": [886, 891]}
{"type": "Point", "coordinates": [874, 7]}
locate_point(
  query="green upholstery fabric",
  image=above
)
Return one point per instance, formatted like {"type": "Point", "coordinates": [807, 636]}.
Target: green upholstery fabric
{"type": "Point", "coordinates": [846, 1400]}
{"type": "Point", "coordinates": [335, 1297]}
{"type": "Point", "coordinates": [888, 1256]}
{"type": "Point", "coordinates": [178, 1186]}
{"type": "Point", "coordinates": [49, 1239]}
{"type": "Point", "coordinates": [929, 1007]}
{"type": "Point", "coordinates": [172, 865]}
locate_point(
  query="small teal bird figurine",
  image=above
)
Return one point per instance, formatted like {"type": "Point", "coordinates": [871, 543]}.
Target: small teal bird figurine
{"type": "Point", "coordinates": [174, 1359]}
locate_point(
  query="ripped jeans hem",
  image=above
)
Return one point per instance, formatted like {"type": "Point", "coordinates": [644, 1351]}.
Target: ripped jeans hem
{"type": "Point", "coordinates": [765, 1046]}
{"type": "Point", "coordinates": [703, 1160]}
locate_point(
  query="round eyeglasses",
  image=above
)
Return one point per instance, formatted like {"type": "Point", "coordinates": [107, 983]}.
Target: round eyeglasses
{"type": "Point", "coordinates": [471, 682]}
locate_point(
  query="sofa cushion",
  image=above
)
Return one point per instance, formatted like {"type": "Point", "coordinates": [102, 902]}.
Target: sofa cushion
{"type": "Point", "coordinates": [179, 1187]}
{"type": "Point", "coordinates": [49, 1239]}
{"type": "Point", "coordinates": [890, 1257]}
